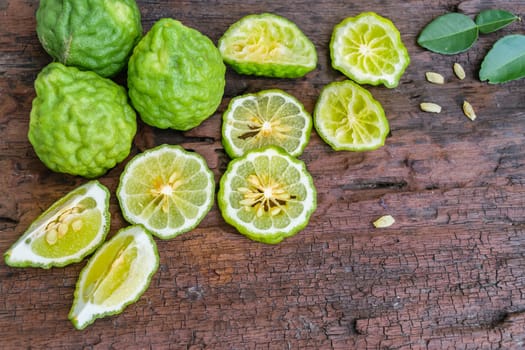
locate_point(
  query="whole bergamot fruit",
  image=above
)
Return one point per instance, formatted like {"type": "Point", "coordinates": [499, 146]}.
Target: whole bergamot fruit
{"type": "Point", "coordinates": [80, 123]}
{"type": "Point", "coordinates": [96, 35]}
{"type": "Point", "coordinates": [176, 76]}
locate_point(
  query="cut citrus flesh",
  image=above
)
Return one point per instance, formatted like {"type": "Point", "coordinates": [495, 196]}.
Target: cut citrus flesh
{"type": "Point", "coordinates": [270, 117]}
{"type": "Point", "coordinates": [115, 276]}
{"type": "Point", "coordinates": [347, 117]}
{"type": "Point", "coordinates": [268, 45]}
{"type": "Point", "coordinates": [167, 189]}
{"type": "Point", "coordinates": [267, 195]}
{"type": "Point", "coordinates": [73, 227]}
{"type": "Point", "coordinates": [368, 49]}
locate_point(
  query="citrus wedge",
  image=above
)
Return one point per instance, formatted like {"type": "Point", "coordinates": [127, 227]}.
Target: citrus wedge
{"type": "Point", "coordinates": [268, 45]}
{"type": "Point", "coordinates": [267, 195]}
{"type": "Point", "coordinates": [73, 227]}
{"type": "Point", "coordinates": [115, 276]}
{"type": "Point", "coordinates": [347, 117]}
{"type": "Point", "coordinates": [269, 117]}
{"type": "Point", "coordinates": [167, 189]}
{"type": "Point", "coordinates": [368, 49]}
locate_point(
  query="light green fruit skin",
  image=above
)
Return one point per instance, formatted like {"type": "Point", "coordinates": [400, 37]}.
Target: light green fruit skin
{"type": "Point", "coordinates": [274, 70]}
{"type": "Point", "coordinates": [48, 214]}
{"type": "Point", "coordinates": [226, 141]}
{"type": "Point", "coordinates": [176, 76]}
{"type": "Point", "coordinates": [80, 123]}
{"type": "Point", "coordinates": [78, 302]}
{"type": "Point", "coordinates": [95, 35]}
{"type": "Point", "coordinates": [271, 70]}
{"type": "Point", "coordinates": [377, 81]}
{"type": "Point", "coordinates": [278, 235]}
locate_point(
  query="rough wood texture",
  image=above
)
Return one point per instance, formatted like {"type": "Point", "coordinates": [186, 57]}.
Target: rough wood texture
{"type": "Point", "coordinates": [450, 274]}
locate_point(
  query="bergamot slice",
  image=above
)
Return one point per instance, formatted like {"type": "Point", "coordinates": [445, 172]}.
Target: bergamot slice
{"type": "Point", "coordinates": [95, 35]}
{"type": "Point", "coordinates": [347, 117]}
{"type": "Point", "coordinates": [115, 276]}
{"type": "Point", "coordinates": [176, 76]}
{"type": "Point", "coordinates": [70, 229]}
{"type": "Point", "coordinates": [269, 117]}
{"type": "Point", "coordinates": [80, 123]}
{"type": "Point", "coordinates": [166, 189]}
{"type": "Point", "coordinates": [267, 44]}
{"type": "Point", "coordinates": [267, 195]}
{"type": "Point", "coordinates": [368, 49]}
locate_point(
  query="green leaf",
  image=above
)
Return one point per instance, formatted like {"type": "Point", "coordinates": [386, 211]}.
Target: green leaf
{"type": "Point", "coordinates": [449, 34]}
{"type": "Point", "coordinates": [505, 61]}
{"type": "Point", "coordinates": [489, 21]}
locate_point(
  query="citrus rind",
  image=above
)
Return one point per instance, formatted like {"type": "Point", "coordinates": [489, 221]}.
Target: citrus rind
{"type": "Point", "coordinates": [176, 76]}
{"type": "Point", "coordinates": [369, 50]}
{"type": "Point", "coordinates": [267, 195]}
{"type": "Point", "coordinates": [269, 117]}
{"type": "Point", "coordinates": [95, 35]}
{"type": "Point", "coordinates": [166, 189]}
{"type": "Point", "coordinates": [80, 123]}
{"type": "Point", "coordinates": [87, 228]}
{"type": "Point", "coordinates": [267, 44]}
{"type": "Point", "coordinates": [116, 276]}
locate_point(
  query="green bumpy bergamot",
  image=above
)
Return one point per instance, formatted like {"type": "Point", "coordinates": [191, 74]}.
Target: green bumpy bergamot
{"type": "Point", "coordinates": [96, 35]}
{"type": "Point", "coordinates": [176, 76]}
{"type": "Point", "coordinates": [81, 123]}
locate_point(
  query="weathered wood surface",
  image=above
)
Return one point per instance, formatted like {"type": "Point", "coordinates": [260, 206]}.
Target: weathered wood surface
{"type": "Point", "coordinates": [450, 274]}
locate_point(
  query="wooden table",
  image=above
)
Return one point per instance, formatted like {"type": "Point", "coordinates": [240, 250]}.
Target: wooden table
{"type": "Point", "coordinates": [449, 274]}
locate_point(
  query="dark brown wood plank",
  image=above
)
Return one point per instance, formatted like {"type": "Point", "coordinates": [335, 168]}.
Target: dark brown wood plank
{"type": "Point", "coordinates": [449, 274]}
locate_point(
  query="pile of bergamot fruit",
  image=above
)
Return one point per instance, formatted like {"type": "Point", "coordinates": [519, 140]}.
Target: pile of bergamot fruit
{"type": "Point", "coordinates": [82, 123]}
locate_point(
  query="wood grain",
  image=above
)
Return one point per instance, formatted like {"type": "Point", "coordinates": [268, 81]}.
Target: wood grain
{"type": "Point", "coordinates": [449, 274]}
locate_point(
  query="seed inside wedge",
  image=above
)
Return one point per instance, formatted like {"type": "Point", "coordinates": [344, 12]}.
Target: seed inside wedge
{"type": "Point", "coordinates": [72, 228]}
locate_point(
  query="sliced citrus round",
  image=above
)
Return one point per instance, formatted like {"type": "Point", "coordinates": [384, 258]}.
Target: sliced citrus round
{"type": "Point", "coordinates": [347, 117]}
{"type": "Point", "coordinates": [167, 189]}
{"type": "Point", "coordinates": [268, 45]}
{"type": "Point", "coordinates": [368, 49]}
{"type": "Point", "coordinates": [71, 228]}
{"type": "Point", "coordinates": [267, 195]}
{"type": "Point", "coordinates": [115, 276]}
{"type": "Point", "coordinates": [269, 117]}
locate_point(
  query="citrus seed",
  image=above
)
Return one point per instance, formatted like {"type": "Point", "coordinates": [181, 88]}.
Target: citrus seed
{"type": "Point", "coordinates": [435, 78]}
{"type": "Point", "coordinates": [469, 110]}
{"type": "Point", "coordinates": [430, 107]}
{"type": "Point", "coordinates": [459, 71]}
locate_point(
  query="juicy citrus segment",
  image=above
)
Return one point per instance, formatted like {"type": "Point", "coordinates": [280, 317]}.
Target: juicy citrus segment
{"type": "Point", "coordinates": [268, 45]}
{"type": "Point", "coordinates": [368, 49]}
{"type": "Point", "coordinates": [167, 189]}
{"type": "Point", "coordinates": [116, 276]}
{"type": "Point", "coordinates": [70, 229]}
{"type": "Point", "coordinates": [270, 117]}
{"type": "Point", "coordinates": [267, 195]}
{"type": "Point", "coordinates": [348, 118]}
